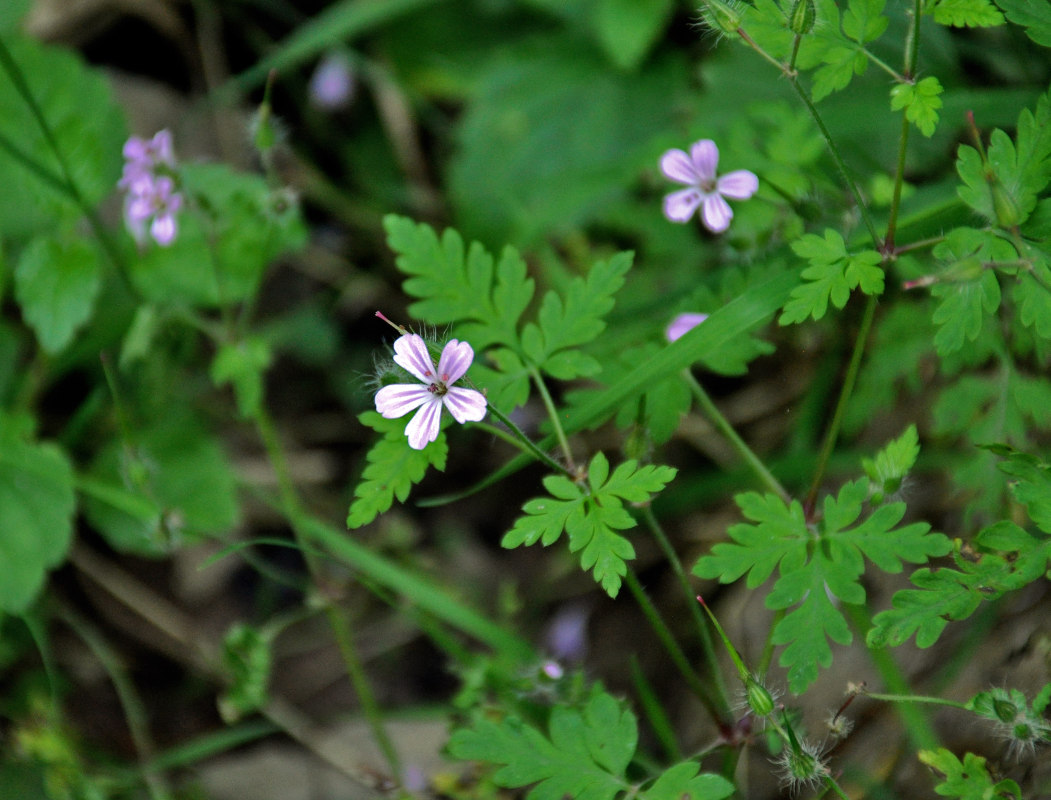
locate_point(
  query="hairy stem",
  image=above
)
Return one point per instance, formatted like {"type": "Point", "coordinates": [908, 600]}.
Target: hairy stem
{"type": "Point", "coordinates": [722, 424]}
{"type": "Point", "coordinates": [552, 412]}
{"type": "Point", "coordinates": [525, 443]}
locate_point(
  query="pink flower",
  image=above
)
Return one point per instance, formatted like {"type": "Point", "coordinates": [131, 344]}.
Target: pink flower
{"type": "Point", "coordinates": [151, 191]}
{"type": "Point", "coordinates": [706, 190]}
{"type": "Point", "coordinates": [683, 323]}
{"type": "Point", "coordinates": [397, 400]}
{"type": "Point", "coordinates": [333, 83]}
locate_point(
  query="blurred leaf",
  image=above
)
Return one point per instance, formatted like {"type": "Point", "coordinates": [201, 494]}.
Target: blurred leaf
{"type": "Point", "coordinates": [36, 516]}
{"type": "Point", "coordinates": [11, 14]}
{"type": "Point", "coordinates": [174, 479]}
{"type": "Point", "coordinates": [526, 168]}
{"type": "Point", "coordinates": [1034, 17]}
{"type": "Point", "coordinates": [921, 102]}
{"type": "Point", "coordinates": [56, 282]}
{"type": "Point", "coordinates": [682, 781]}
{"type": "Point", "coordinates": [627, 29]}
{"type": "Point", "coordinates": [88, 128]}
{"type": "Point", "coordinates": [969, 779]}
{"type": "Point", "coordinates": [243, 364]}
{"type": "Point", "coordinates": [234, 227]}
{"type": "Point", "coordinates": [967, 13]}
{"type": "Point", "coordinates": [246, 662]}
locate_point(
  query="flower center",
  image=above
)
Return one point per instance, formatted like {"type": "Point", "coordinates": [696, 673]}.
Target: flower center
{"type": "Point", "coordinates": [438, 388]}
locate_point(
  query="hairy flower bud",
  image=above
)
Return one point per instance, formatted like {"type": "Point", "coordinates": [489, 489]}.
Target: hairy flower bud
{"type": "Point", "coordinates": [721, 16]}
{"type": "Point", "coordinates": [803, 16]}
{"type": "Point", "coordinates": [760, 701]}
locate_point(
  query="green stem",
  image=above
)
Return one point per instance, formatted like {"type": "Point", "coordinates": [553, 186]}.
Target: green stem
{"type": "Point", "coordinates": [918, 727]}
{"type": "Point", "coordinates": [527, 444]}
{"type": "Point", "coordinates": [678, 658]}
{"type": "Point", "coordinates": [722, 424]}
{"type": "Point", "coordinates": [705, 635]}
{"type": "Point", "coordinates": [836, 157]}
{"type": "Point", "coordinates": [292, 509]}
{"type": "Point", "coordinates": [841, 404]}
{"type": "Point", "coordinates": [916, 698]}
{"type": "Point", "coordinates": [552, 412]}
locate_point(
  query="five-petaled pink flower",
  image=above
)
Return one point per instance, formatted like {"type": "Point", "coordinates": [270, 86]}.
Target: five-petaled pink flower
{"type": "Point", "coordinates": [706, 190]}
{"type": "Point", "coordinates": [397, 400]}
{"type": "Point", "coordinates": [152, 196]}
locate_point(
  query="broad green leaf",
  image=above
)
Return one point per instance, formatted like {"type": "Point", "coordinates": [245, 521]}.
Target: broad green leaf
{"type": "Point", "coordinates": [921, 102]}
{"type": "Point", "coordinates": [815, 562]}
{"type": "Point", "coordinates": [36, 516]}
{"type": "Point", "coordinates": [864, 20]}
{"type": "Point", "coordinates": [583, 755]}
{"type": "Point", "coordinates": [591, 516]}
{"type": "Point", "coordinates": [172, 467]}
{"type": "Point", "coordinates": [832, 274]}
{"type": "Point", "coordinates": [967, 13]}
{"type": "Point", "coordinates": [88, 128]}
{"type": "Point", "coordinates": [392, 468]}
{"type": "Point", "coordinates": [56, 282]}
{"type": "Point", "coordinates": [628, 29]}
{"type": "Point", "coordinates": [1034, 17]}
{"type": "Point", "coordinates": [682, 780]}
{"type": "Point", "coordinates": [968, 779]}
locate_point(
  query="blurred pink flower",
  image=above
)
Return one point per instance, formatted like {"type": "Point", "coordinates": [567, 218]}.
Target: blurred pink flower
{"type": "Point", "coordinates": [683, 323]}
{"type": "Point", "coordinates": [397, 400]}
{"type": "Point", "coordinates": [151, 191]}
{"type": "Point", "coordinates": [333, 84]}
{"type": "Point", "coordinates": [706, 190]}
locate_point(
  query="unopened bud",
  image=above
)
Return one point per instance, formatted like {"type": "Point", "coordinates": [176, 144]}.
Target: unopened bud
{"type": "Point", "coordinates": [721, 16]}
{"type": "Point", "coordinates": [803, 16]}
{"type": "Point", "coordinates": [1005, 710]}
{"type": "Point", "coordinates": [1005, 206]}
{"type": "Point", "coordinates": [760, 701]}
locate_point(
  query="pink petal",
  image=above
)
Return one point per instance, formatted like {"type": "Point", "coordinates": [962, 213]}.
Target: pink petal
{"type": "Point", "coordinates": [135, 149]}
{"type": "Point", "coordinates": [705, 157]}
{"type": "Point", "coordinates": [424, 427]}
{"type": "Point", "coordinates": [399, 399]}
{"type": "Point", "coordinates": [716, 213]}
{"type": "Point", "coordinates": [738, 185]}
{"type": "Point", "coordinates": [682, 324]}
{"type": "Point", "coordinates": [410, 353]}
{"type": "Point", "coordinates": [676, 166]}
{"type": "Point", "coordinates": [163, 229]}
{"type": "Point", "coordinates": [466, 405]}
{"type": "Point", "coordinates": [161, 144]}
{"type": "Point", "coordinates": [679, 206]}
{"type": "Point", "coordinates": [455, 359]}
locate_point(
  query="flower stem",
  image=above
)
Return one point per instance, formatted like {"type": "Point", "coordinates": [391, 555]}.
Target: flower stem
{"type": "Point", "coordinates": [552, 412]}
{"type": "Point", "coordinates": [660, 627]}
{"type": "Point", "coordinates": [293, 511]}
{"type": "Point", "coordinates": [832, 433]}
{"type": "Point", "coordinates": [525, 443]}
{"type": "Point", "coordinates": [722, 424]}
{"type": "Point", "coordinates": [703, 632]}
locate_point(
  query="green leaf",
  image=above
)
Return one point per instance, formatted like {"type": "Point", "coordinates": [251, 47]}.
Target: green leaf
{"type": "Point", "coordinates": [591, 516]}
{"type": "Point", "coordinates": [574, 320]}
{"type": "Point", "coordinates": [967, 13]}
{"type": "Point", "coordinates": [56, 283]}
{"type": "Point", "coordinates": [832, 274]}
{"type": "Point", "coordinates": [243, 364]}
{"type": "Point", "coordinates": [815, 561]}
{"type": "Point", "coordinates": [890, 466]}
{"type": "Point", "coordinates": [457, 287]}
{"type": "Point", "coordinates": [1007, 559]}
{"type": "Point", "coordinates": [583, 755]}
{"type": "Point", "coordinates": [171, 481]}
{"type": "Point", "coordinates": [682, 780]}
{"type": "Point", "coordinates": [969, 779]}
{"type": "Point", "coordinates": [864, 20]}
{"type": "Point", "coordinates": [628, 29]}
{"type": "Point", "coordinates": [392, 468]}
{"type": "Point", "coordinates": [1034, 17]}
{"type": "Point", "coordinates": [89, 130]}
{"type": "Point", "coordinates": [921, 102]}
{"type": "Point", "coordinates": [245, 661]}
{"type": "Point", "coordinates": [36, 516]}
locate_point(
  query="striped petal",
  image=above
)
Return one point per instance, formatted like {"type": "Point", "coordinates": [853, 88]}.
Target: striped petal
{"type": "Point", "coordinates": [410, 353]}
{"type": "Point", "coordinates": [399, 399]}
{"type": "Point", "coordinates": [423, 428]}
{"type": "Point", "coordinates": [466, 405]}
